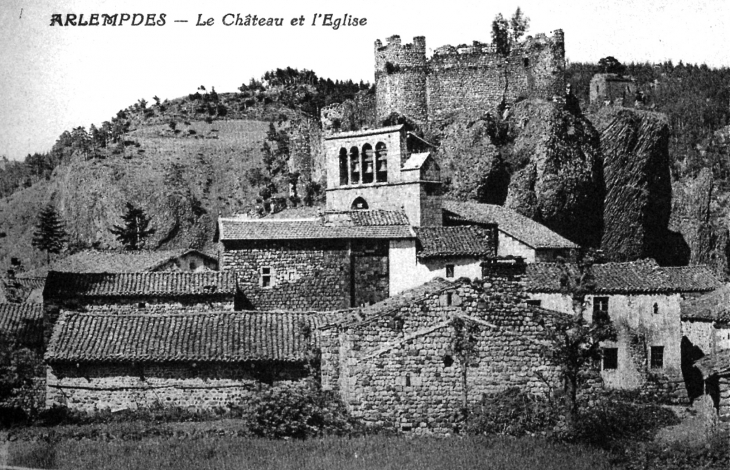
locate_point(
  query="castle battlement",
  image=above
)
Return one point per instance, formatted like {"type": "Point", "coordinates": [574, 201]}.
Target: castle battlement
{"type": "Point", "coordinates": [470, 78]}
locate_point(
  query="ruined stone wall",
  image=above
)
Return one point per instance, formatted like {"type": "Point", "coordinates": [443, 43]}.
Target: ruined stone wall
{"type": "Point", "coordinates": [400, 367]}
{"type": "Point", "coordinates": [93, 387]}
{"type": "Point", "coordinates": [305, 274]}
{"type": "Point", "coordinates": [469, 80]}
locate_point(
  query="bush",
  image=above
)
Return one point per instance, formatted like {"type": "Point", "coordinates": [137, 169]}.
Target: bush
{"type": "Point", "coordinates": [300, 411]}
{"type": "Point", "coordinates": [513, 412]}
{"type": "Point", "coordinates": [616, 416]}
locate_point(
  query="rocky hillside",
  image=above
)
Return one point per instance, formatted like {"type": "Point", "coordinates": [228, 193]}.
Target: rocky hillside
{"type": "Point", "coordinates": [184, 181]}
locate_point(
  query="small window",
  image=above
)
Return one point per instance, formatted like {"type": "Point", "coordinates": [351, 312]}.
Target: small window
{"type": "Point", "coordinates": [141, 305]}
{"type": "Point", "coordinates": [449, 298]}
{"type": "Point", "coordinates": [408, 380]}
{"type": "Point", "coordinates": [192, 266]}
{"type": "Point", "coordinates": [266, 278]}
{"type": "Point", "coordinates": [448, 360]}
{"type": "Point", "coordinates": [656, 309]}
{"type": "Point", "coordinates": [610, 358]}
{"type": "Point", "coordinates": [449, 271]}
{"type": "Point", "coordinates": [534, 302]}
{"type": "Point", "coordinates": [526, 62]}
{"type": "Point", "coordinates": [657, 357]}
{"type": "Point", "coordinates": [600, 309]}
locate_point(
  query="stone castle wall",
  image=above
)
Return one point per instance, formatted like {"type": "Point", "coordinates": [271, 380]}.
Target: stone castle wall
{"type": "Point", "coordinates": [471, 79]}
{"type": "Point", "coordinates": [400, 368]}
{"type": "Point", "coordinates": [93, 387]}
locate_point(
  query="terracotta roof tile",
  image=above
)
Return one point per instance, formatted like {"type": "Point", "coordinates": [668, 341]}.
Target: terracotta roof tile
{"type": "Point", "coordinates": [508, 221]}
{"type": "Point", "coordinates": [164, 283]}
{"type": "Point", "coordinates": [434, 242]}
{"type": "Point", "coordinates": [713, 306]}
{"type": "Point", "coordinates": [180, 336]}
{"type": "Point", "coordinates": [644, 276]}
{"type": "Point", "coordinates": [96, 261]}
{"type": "Point", "coordinates": [306, 229]}
{"type": "Point", "coordinates": [25, 321]}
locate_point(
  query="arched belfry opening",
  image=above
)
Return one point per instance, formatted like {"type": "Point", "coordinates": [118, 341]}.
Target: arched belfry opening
{"type": "Point", "coordinates": [368, 170]}
{"type": "Point", "coordinates": [359, 204]}
{"type": "Point", "coordinates": [344, 172]}
{"type": "Point", "coordinates": [381, 163]}
{"type": "Point", "coordinates": [354, 165]}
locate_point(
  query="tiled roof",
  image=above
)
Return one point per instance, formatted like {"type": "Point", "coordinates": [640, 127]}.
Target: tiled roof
{"type": "Point", "coordinates": [95, 261]}
{"type": "Point", "coordinates": [163, 283]}
{"type": "Point", "coordinates": [180, 336]}
{"type": "Point", "coordinates": [713, 306]}
{"type": "Point", "coordinates": [644, 276]}
{"type": "Point", "coordinates": [508, 221]}
{"type": "Point", "coordinates": [378, 218]}
{"type": "Point", "coordinates": [715, 364]}
{"type": "Point", "coordinates": [466, 240]}
{"type": "Point", "coordinates": [23, 320]}
{"type": "Point", "coordinates": [364, 132]}
{"type": "Point", "coordinates": [305, 229]}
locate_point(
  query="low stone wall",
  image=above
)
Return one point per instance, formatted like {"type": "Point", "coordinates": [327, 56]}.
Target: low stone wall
{"type": "Point", "coordinates": [196, 387]}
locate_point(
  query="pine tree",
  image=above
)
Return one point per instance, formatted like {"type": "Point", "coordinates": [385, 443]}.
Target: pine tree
{"type": "Point", "coordinates": [135, 231]}
{"type": "Point", "coordinates": [50, 233]}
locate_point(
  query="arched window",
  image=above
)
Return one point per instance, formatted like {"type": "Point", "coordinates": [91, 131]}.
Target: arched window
{"type": "Point", "coordinates": [359, 204]}
{"type": "Point", "coordinates": [368, 172]}
{"type": "Point", "coordinates": [381, 162]}
{"type": "Point", "coordinates": [354, 165]}
{"type": "Point", "coordinates": [344, 173]}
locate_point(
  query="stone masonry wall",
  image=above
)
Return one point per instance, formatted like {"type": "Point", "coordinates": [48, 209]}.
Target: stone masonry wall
{"type": "Point", "coordinates": [400, 368]}
{"type": "Point", "coordinates": [471, 79]}
{"type": "Point", "coordinates": [202, 387]}
{"type": "Point", "coordinates": [370, 271]}
{"type": "Point", "coordinates": [306, 274]}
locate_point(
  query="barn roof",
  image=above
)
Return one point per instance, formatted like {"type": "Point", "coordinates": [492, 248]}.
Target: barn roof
{"type": "Point", "coordinates": [182, 336]}
{"type": "Point", "coordinates": [163, 283]}
{"type": "Point", "coordinates": [508, 221]}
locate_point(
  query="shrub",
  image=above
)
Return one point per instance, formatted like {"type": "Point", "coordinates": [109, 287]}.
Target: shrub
{"type": "Point", "coordinates": [299, 411]}
{"type": "Point", "coordinates": [513, 412]}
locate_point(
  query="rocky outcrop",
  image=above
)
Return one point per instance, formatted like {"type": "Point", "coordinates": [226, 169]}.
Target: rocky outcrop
{"type": "Point", "coordinates": [557, 175]}
{"type": "Point", "coordinates": [636, 212]}
{"type": "Point", "coordinates": [351, 114]}
{"type": "Point", "coordinates": [699, 223]}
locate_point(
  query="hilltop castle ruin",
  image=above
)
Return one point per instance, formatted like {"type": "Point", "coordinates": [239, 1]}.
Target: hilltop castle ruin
{"type": "Point", "coordinates": [468, 78]}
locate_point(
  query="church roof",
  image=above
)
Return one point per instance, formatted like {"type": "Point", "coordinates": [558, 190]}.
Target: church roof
{"type": "Point", "coordinates": [415, 161]}
{"type": "Point", "coordinates": [163, 283]}
{"type": "Point", "coordinates": [508, 221]}
{"type": "Point", "coordinates": [181, 336]}
{"type": "Point", "coordinates": [350, 224]}
{"type": "Point", "coordinates": [364, 132]}
{"type": "Point", "coordinates": [436, 242]}
{"type": "Point", "coordinates": [644, 276]}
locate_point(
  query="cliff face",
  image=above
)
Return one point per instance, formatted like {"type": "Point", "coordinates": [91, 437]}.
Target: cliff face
{"type": "Point", "coordinates": [635, 147]}
{"type": "Point", "coordinates": [539, 160]}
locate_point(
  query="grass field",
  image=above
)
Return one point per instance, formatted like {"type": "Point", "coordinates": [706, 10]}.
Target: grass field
{"type": "Point", "coordinates": [331, 453]}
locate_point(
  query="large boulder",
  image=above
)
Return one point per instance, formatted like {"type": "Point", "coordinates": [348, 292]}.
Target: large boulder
{"type": "Point", "coordinates": [635, 147]}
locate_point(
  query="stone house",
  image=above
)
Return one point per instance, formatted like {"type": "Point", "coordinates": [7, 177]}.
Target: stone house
{"type": "Point", "coordinates": [194, 359]}
{"type": "Point", "coordinates": [612, 88]}
{"type": "Point", "coordinates": [152, 292]}
{"type": "Point", "coordinates": [643, 301]}
{"type": "Point", "coordinates": [517, 235]}
{"type": "Point", "coordinates": [342, 259]}
{"type": "Point", "coordinates": [394, 361]}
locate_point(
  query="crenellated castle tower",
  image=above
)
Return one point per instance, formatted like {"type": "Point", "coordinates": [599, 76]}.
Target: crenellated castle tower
{"type": "Point", "coordinates": [469, 79]}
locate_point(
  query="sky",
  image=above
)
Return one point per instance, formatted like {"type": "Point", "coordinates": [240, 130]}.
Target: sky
{"type": "Point", "coordinates": [54, 78]}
